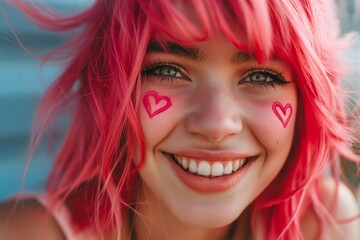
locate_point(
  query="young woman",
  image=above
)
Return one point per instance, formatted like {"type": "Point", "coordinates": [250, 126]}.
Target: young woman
{"type": "Point", "coordinates": [195, 120]}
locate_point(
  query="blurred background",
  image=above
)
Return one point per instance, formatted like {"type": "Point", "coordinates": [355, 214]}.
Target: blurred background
{"type": "Point", "coordinates": [23, 80]}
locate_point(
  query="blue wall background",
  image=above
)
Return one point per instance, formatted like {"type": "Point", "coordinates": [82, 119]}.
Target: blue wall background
{"type": "Point", "coordinates": [22, 82]}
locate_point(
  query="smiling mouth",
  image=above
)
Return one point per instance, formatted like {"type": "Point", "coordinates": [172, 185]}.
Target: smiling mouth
{"type": "Point", "coordinates": [210, 169]}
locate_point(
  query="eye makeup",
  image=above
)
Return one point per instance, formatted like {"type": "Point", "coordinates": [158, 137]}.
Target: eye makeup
{"type": "Point", "coordinates": [263, 77]}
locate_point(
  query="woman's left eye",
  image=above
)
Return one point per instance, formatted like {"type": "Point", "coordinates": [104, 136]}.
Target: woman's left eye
{"type": "Point", "coordinates": [263, 78]}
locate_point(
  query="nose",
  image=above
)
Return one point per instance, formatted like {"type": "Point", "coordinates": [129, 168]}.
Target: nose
{"type": "Point", "coordinates": [215, 116]}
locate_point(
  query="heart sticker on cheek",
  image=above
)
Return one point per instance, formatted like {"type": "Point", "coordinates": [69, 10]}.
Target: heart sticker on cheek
{"type": "Point", "coordinates": [282, 112]}
{"type": "Point", "coordinates": [155, 104]}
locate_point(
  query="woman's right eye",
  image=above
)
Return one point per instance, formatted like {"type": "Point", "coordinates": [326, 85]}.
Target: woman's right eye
{"type": "Point", "coordinates": [165, 72]}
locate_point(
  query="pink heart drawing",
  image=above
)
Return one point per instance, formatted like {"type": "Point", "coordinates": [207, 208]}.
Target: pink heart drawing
{"type": "Point", "coordinates": [282, 112]}
{"type": "Point", "coordinates": [155, 104]}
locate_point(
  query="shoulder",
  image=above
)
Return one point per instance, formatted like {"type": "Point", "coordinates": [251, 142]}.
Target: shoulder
{"type": "Point", "coordinates": [345, 208]}
{"type": "Point", "coordinates": [27, 219]}
{"type": "Point", "coordinates": [341, 203]}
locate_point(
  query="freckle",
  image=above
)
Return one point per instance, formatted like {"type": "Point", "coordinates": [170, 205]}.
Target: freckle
{"type": "Point", "coordinates": [277, 142]}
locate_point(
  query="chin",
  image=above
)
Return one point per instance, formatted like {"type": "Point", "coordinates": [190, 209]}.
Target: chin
{"type": "Point", "coordinates": [210, 218]}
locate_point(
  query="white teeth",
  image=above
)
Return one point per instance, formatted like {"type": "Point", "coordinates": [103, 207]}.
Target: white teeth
{"type": "Point", "coordinates": [178, 159]}
{"type": "Point", "coordinates": [228, 168]}
{"type": "Point", "coordinates": [204, 168]}
{"type": "Point", "coordinates": [217, 169]}
{"type": "Point", "coordinates": [236, 165]}
{"type": "Point", "coordinates": [185, 163]}
{"type": "Point", "coordinates": [208, 168]}
{"type": "Point", "coordinates": [192, 166]}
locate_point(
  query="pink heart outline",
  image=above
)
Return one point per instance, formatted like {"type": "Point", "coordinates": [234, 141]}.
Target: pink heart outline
{"type": "Point", "coordinates": [282, 112]}
{"type": "Point", "coordinates": [159, 107]}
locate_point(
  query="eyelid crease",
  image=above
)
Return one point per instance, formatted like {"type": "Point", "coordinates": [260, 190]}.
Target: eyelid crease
{"type": "Point", "coordinates": [157, 62]}
{"type": "Point", "coordinates": [269, 71]}
{"type": "Point", "coordinates": [160, 63]}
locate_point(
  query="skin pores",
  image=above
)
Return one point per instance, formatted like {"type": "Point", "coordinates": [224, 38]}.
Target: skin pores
{"type": "Point", "coordinates": [221, 114]}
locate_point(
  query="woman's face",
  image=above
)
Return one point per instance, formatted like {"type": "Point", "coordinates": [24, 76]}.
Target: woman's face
{"type": "Point", "coordinates": [218, 128]}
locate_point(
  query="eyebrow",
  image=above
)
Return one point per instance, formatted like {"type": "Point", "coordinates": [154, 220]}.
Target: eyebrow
{"type": "Point", "coordinates": [175, 49]}
{"type": "Point", "coordinates": [193, 53]}
{"type": "Point", "coordinates": [241, 57]}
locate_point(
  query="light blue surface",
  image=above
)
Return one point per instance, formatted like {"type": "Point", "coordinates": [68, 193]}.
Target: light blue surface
{"type": "Point", "coordinates": [22, 83]}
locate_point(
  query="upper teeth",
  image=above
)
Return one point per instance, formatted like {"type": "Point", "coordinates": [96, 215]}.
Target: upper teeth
{"type": "Point", "coordinates": [212, 169]}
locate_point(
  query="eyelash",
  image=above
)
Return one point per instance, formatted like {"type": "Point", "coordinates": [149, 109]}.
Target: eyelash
{"type": "Point", "coordinates": [276, 77]}
{"type": "Point", "coordinates": [149, 70]}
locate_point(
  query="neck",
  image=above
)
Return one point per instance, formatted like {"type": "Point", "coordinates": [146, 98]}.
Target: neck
{"type": "Point", "coordinates": [162, 226]}
{"type": "Point", "coordinates": [153, 220]}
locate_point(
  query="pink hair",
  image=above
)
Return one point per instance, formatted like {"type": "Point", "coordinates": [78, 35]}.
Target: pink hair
{"type": "Point", "coordinates": [102, 79]}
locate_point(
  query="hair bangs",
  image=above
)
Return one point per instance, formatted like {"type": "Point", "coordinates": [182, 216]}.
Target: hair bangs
{"type": "Point", "coordinates": [180, 22]}
{"type": "Point", "coordinates": [246, 24]}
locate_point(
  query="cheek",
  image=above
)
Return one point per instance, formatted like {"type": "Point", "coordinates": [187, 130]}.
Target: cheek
{"type": "Point", "coordinates": [158, 114]}
{"type": "Point", "coordinates": [155, 104]}
{"type": "Point", "coordinates": [283, 112]}
{"type": "Point", "coordinates": [274, 125]}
